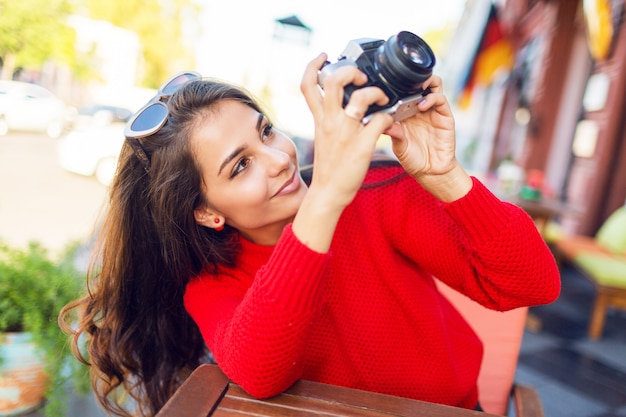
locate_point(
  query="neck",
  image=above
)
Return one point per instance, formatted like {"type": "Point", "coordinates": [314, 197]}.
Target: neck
{"type": "Point", "coordinates": [266, 236]}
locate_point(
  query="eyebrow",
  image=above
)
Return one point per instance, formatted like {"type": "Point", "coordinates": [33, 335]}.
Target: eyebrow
{"type": "Point", "coordinates": [240, 149]}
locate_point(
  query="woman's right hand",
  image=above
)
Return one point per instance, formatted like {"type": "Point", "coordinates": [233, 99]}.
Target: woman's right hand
{"type": "Point", "coordinates": [343, 148]}
{"type": "Point", "coordinates": [343, 144]}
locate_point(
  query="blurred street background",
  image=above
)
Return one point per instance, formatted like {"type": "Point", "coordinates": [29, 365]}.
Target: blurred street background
{"type": "Point", "coordinates": [101, 60]}
{"type": "Point", "coordinates": [537, 88]}
{"type": "Point", "coordinates": [41, 201]}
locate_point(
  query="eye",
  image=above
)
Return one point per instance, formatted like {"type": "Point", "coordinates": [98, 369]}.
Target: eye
{"type": "Point", "coordinates": [267, 132]}
{"type": "Point", "coordinates": [240, 166]}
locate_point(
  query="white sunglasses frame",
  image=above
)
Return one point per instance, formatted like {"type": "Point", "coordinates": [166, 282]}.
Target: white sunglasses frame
{"type": "Point", "coordinates": [157, 101]}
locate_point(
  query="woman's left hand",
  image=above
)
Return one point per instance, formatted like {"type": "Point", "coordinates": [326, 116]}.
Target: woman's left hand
{"type": "Point", "coordinates": [425, 143]}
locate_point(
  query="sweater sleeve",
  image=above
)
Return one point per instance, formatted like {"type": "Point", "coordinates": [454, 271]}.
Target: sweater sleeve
{"type": "Point", "coordinates": [258, 333]}
{"type": "Point", "coordinates": [488, 249]}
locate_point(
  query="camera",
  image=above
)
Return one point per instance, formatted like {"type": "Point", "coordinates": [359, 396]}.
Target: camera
{"type": "Point", "coordinates": [398, 66]}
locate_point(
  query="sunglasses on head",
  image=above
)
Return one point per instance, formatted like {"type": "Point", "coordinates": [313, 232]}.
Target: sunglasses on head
{"type": "Point", "coordinates": [151, 117]}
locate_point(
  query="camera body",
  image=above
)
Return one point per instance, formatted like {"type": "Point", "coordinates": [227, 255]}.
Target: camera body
{"type": "Point", "coordinates": [398, 66]}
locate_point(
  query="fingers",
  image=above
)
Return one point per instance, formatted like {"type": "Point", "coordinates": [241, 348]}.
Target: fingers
{"type": "Point", "coordinates": [434, 83]}
{"type": "Point", "coordinates": [332, 98]}
{"type": "Point", "coordinates": [354, 112]}
{"type": "Point", "coordinates": [381, 122]}
{"type": "Point", "coordinates": [436, 99]}
{"type": "Point", "coordinates": [309, 87]}
{"type": "Point", "coordinates": [361, 99]}
{"type": "Point", "coordinates": [330, 101]}
{"type": "Point", "coordinates": [334, 89]}
{"type": "Point", "coordinates": [395, 130]}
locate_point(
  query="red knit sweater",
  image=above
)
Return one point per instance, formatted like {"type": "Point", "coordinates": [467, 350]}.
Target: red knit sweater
{"type": "Point", "coordinates": [367, 315]}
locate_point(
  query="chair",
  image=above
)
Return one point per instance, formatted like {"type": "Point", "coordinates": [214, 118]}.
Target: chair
{"type": "Point", "coordinates": [208, 389]}
{"type": "Point", "coordinates": [501, 334]}
{"type": "Point", "coordinates": [602, 260]}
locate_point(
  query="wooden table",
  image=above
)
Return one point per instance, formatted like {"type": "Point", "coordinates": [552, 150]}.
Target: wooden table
{"type": "Point", "coordinates": [541, 210]}
{"type": "Point", "coordinates": [207, 392]}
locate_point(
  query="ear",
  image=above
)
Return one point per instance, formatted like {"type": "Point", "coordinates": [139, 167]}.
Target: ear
{"type": "Point", "coordinates": [209, 218]}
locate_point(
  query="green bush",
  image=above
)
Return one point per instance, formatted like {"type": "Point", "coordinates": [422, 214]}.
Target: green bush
{"type": "Point", "coordinates": [33, 289]}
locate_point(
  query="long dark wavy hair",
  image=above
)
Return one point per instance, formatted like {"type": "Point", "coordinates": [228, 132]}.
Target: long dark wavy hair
{"type": "Point", "coordinates": [140, 342]}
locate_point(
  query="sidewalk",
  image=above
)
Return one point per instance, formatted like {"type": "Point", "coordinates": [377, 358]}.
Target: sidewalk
{"type": "Point", "coordinates": [575, 377]}
{"type": "Point", "coordinates": [78, 406]}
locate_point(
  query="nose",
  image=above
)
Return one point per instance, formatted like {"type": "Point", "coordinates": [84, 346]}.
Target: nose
{"type": "Point", "coordinates": [277, 161]}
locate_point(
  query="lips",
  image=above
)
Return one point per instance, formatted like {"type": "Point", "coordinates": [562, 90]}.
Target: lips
{"type": "Point", "coordinates": [291, 185]}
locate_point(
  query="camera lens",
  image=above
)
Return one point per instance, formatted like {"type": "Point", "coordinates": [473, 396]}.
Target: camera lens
{"type": "Point", "coordinates": [405, 61]}
{"type": "Point", "coordinates": [414, 54]}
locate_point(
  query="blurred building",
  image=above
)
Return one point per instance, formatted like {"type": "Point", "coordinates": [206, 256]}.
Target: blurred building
{"type": "Point", "coordinates": [289, 51]}
{"type": "Point", "coordinates": [116, 54]}
{"type": "Point", "coordinates": [559, 109]}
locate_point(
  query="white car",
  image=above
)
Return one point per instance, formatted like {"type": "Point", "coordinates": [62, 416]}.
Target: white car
{"type": "Point", "coordinates": [31, 107]}
{"type": "Point", "coordinates": [93, 145]}
{"type": "Point", "coordinates": [92, 150]}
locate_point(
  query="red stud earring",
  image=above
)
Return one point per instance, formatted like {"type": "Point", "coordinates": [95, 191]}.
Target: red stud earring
{"type": "Point", "coordinates": [218, 228]}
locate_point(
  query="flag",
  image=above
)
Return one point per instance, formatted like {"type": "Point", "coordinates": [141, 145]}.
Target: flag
{"type": "Point", "coordinates": [494, 54]}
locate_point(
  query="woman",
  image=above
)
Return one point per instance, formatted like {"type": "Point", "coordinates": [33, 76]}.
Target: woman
{"type": "Point", "coordinates": [212, 237]}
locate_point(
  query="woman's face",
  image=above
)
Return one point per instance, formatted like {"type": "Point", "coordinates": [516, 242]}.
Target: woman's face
{"type": "Point", "coordinates": [250, 172]}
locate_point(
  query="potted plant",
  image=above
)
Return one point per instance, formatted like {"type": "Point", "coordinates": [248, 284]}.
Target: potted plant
{"type": "Point", "coordinates": [33, 289]}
